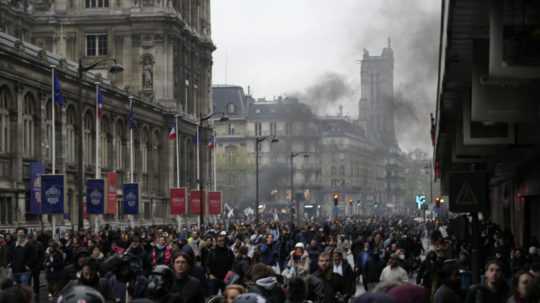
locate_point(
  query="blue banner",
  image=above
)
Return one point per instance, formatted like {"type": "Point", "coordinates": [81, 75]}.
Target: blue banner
{"type": "Point", "coordinates": [95, 196]}
{"type": "Point", "coordinates": [130, 193]}
{"type": "Point", "coordinates": [36, 170]}
{"type": "Point", "coordinates": [52, 192]}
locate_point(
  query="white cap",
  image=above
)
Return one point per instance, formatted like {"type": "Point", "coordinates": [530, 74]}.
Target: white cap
{"type": "Point", "coordinates": [223, 233]}
{"type": "Point", "coordinates": [299, 245]}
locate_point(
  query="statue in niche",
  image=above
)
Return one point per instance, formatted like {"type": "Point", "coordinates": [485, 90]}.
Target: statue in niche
{"type": "Point", "coordinates": [148, 74]}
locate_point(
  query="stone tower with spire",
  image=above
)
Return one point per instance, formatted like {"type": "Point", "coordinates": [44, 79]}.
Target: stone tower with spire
{"type": "Point", "coordinates": [376, 106]}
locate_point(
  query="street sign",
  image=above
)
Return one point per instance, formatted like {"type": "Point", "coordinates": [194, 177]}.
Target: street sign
{"type": "Point", "coordinates": [420, 200]}
{"type": "Point", "coordinates": [467, 192]}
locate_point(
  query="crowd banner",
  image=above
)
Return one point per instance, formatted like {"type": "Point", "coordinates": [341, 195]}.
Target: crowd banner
{"type": "Point", "coordinates": [195, 202]}
{"type": "Point", "coordinates": [178, 201]}
{"type": "Point", "coordinates": [95, 193]}
{"type": "Point", "coordinates": [130, 192]}
{"type": "Point", "coordinates": [36, 170]}
{"type": "Point", "coordinates": [214, 203]}
{"type": "Point", "coordinates": [52, 192]}
{"type": "Point", "coordinates": [111, 188]}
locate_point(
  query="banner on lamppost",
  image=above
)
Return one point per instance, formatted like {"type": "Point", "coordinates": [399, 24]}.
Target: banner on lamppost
{"type": "Point", "coordinates": [195, 202]}
{"type": "Point", "coordinates": [178, 201]}
{"type": "Point", "coordinates": [111, 188]}
{"type": "Point", "coordinates": [95, 196]}
{"type": "Point", "coordinates": [214, 203]}
{"type": "Point", "coordinates": [130, 192]}
{"type": "Point", "coordinates": [52, 193]}
{"type": "Point", "coordinates": [36, 170]}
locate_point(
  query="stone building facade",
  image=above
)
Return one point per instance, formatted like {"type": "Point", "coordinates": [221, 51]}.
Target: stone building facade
{"type": "Point", "coordinates": [166, 52]}
{"type": "Point", "coordinates": [341, 158]}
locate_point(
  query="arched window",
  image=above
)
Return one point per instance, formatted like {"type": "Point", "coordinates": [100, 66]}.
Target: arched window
{"type": "Point", "coordinates": [118, 145]}
{"type": "Point", "coordinates": [144, 157]}
{"type": "Point", "coordinates": [333, 171]}
{"type": "Point", "coordinates": [342, 170]}
{"type": "Point", "coordinates": [71, 144]}
{"type": "Point", "coordinates": [104, 147]}
{"type": "Point", "coordinates": [48, 129]}
{"type": "Point", "coordinates": [231, 108]}
{"type": "Point", "coordinates": [154, 161]}
{"type": "Point", "coordinates": [5, 104]}
{"type": "Point", "coordinates": [88, 138]}
{"type": "Point", "coordinates": [29, 130]}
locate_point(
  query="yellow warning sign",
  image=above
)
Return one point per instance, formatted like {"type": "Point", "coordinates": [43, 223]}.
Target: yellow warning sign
{"type": "Point", "coordinates": [466, 195]}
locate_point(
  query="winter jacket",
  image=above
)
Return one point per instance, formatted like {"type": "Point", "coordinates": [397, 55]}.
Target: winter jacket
{"type": "Point", "coordinates": [187, 289]}
{"type": "Point", "coordinates": [3, 255]}
{"type": "Point", "coordinates": [161, 255]}
{"type": "Point", "coordinates": [20, 257]}
{"type": "Point", "coordinates": [54, 265]}
{"type": "Point", "coordinates": [300, 265]}
{"type": "Point", "coordinates": [348, 279]}
{"type": "Point", "coordinates": [220, 261]}
{"type": "Point", "coordinates": [269, 254]}
{"type": "Point", "coordinates": [37, 255]}
{"type": "Point", "coordinates": [269, 289]}
{"type": "Point", "coordinates": [241, 266]}
{"type": "Point", "coordinates": [323, 287]}
{"type": "Point", "coordinates": [482, 294]}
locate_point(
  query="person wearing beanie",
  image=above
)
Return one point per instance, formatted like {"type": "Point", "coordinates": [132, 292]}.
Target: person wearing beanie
{"type": "Point", "coordinates": [265, 283]}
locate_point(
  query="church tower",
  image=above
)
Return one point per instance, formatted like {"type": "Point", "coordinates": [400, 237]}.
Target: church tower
{"type": "Point", "coordinates": [376, 106]}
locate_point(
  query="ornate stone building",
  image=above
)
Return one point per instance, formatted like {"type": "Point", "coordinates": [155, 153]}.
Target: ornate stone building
{"type": "Point", "coordinates": [341, 158]}
{"type": "Point", "coordinates": [166, 52]}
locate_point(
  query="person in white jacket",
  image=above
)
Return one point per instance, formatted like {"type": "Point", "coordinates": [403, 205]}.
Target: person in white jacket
{"type": "Point", "coordinates": [298, 265]}
{"type": "Point", "coordinates": [393, 272]}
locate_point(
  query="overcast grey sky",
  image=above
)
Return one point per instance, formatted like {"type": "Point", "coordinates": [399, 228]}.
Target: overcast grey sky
{"type": "Point", "coordinates": [281, 47]}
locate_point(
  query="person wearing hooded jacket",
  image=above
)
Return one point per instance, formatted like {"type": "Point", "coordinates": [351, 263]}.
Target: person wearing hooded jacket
{"type": "Point", "coordinates": [265, 284]}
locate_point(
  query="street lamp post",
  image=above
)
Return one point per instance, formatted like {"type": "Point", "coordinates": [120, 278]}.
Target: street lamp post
{"type": "Point", "coordinates": [114, 69]}
{"type": "Point", "coordinates": [258, 141]}
{"type": "Point", "coordinates": [295, 201]}
{"type": "Point", "coordinates": [200, 183]}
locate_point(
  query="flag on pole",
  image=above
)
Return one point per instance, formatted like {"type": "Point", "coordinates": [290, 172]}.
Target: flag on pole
{"type": "Point", "coordinates": [58, 97]}
{"type": "Point", "coordinates": [100, 102]}
{"type": "Point", "coordinates": [131, 116]}
{"type": "Point", "coordinates": [211, 142]}
{"type": "Point", "coordinates": [172, 130]}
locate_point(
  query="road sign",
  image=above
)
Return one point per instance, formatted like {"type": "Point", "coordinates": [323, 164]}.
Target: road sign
{"type": "Point", "coordinates": [420, 200]}
{"type": "Point", "coordinates": [468, 192]}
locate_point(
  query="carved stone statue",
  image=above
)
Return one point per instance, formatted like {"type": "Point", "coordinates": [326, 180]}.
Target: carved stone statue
{"type": "Point", "coordinates": [148, 74]}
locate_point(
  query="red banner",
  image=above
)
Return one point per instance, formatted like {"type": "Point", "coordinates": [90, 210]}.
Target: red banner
{"type": "Point", "coordinates": [214, 202]}
{"type": "Point", "coordinates": [112, 187]}
{"type": "Point", "coordinates": [195, 202]}
{"type": "Point", "coordinates": [178, 201]}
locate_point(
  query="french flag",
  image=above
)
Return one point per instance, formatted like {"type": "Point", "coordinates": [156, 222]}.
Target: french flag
{"type": "Point", "coordinates": [211, 142]}
{"type": "Point", "coordinates": [172, 132]}
{"type": "Point", "coordinates": [100, 101]}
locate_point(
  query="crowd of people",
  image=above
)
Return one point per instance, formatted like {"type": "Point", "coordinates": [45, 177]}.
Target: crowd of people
{"type": "Point", "coordinates": [362, 259]}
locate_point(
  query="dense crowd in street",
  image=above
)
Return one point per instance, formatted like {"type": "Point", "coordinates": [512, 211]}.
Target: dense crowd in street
{"type": "Point", "coordinates": [368, 259]}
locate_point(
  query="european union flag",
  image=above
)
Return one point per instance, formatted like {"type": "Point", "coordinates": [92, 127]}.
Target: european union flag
{"type": "Point", "coordinates": [58, 97]}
